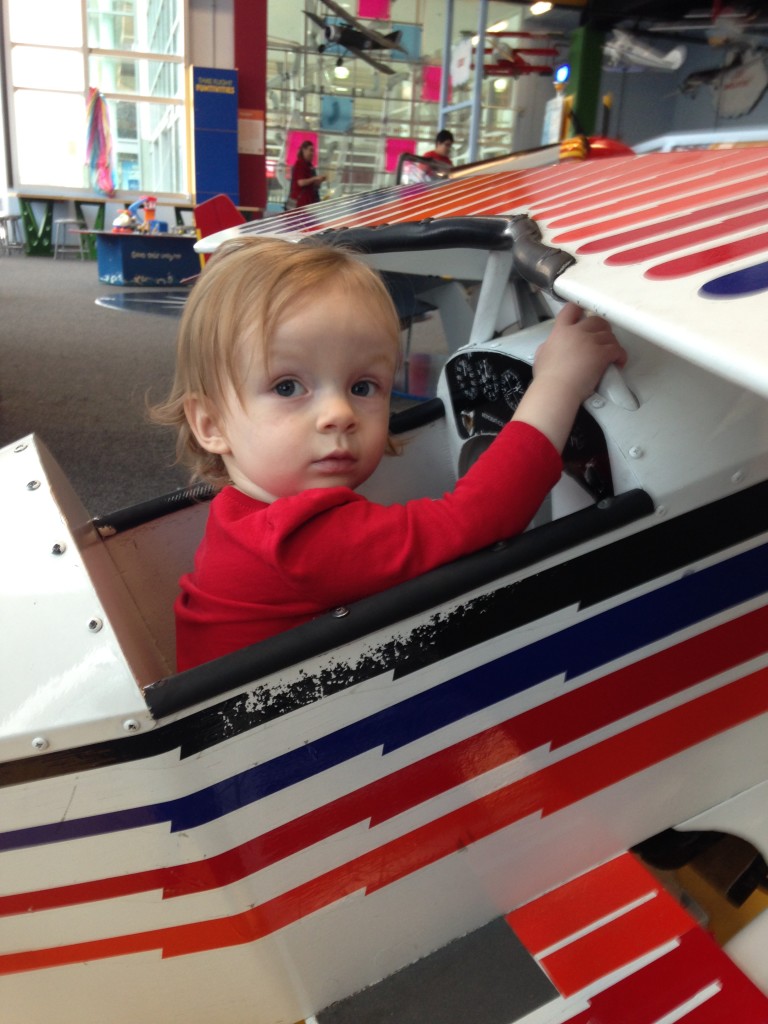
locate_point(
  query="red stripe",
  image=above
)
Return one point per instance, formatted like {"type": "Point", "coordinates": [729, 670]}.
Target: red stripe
{"type": "Point", "coordinates": [698, 261]}
{"type": "Point", "coordinates": [669, 186]}
{"type": "Point", "coordinates": [674, 979]}
{"type": "Point", "coordinates": [571, 907]}
{"type": "Point", "coordinates": [555, 787]}
{"type": "Point", "coordinates": [557, 723]}
{"type": "Point", "coordinates": [668, 225]}
{"type": "Point", "coordinates": [616, 944]}
{"type": "Point", "coordinates": [684, 240]}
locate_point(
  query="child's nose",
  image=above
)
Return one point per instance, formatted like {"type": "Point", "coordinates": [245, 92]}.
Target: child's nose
{"type": "Point", "coordinates": [336, 412]}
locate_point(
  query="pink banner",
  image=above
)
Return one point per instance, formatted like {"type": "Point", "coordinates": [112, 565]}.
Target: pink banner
{"type": "Point", "coordinates": [293, 144]}
{"type": "Point", "coordinates": [394, 147]}
{"type": "Point", "coordinates": [373, 9]}
{"type": "Point", "coordinates": [430, 84]}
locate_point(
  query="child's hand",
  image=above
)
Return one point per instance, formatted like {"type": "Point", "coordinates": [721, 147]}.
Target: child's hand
{"type": "Point", "coordinates": [578, 350]}
{"type": "Point", "coordinates": [566, 370]}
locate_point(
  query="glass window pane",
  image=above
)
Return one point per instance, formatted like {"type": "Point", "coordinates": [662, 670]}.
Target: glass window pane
{"type": "Point", "coordinates": [148, 141]}
{"type": "Point", "coordinates": [151, 27]}
{"type": "Point", "coordinates": [46, 22]}
{"type": "Point", "coordinates": [35, 68]}
{"type": "Point", "coordinates": [137, 77]}
{"type": "Point", "coordinates": [50, 138]}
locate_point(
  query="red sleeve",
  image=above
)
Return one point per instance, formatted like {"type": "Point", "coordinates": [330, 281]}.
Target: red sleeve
{"type": "Point", "coordinates": [341, 547]}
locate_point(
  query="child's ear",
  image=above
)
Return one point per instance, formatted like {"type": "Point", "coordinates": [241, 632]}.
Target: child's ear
{"type": "Point", "coordinates": [205, 423]}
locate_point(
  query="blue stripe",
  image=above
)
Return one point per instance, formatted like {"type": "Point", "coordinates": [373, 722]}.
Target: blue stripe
{"type": "Point", "coordinates": [747, 281]}
{"type": "Point", "coordinates": [572, 652]}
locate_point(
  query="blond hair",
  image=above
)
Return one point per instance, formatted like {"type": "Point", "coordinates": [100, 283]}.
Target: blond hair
{"type": "Point", "coordinates": [246, 288]}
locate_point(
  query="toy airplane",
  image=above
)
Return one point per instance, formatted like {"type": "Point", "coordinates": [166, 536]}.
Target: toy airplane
{"type": "Point", "coordinates": [354, 37]}
{"type": "Point", "coordinates": [736, 87]}
{"type": "Point", "coordinates": [420, 807]}
{"type": "Point", "coordinates": [623, 50]}
{"type": "Point", "coordinates": [519, 60]}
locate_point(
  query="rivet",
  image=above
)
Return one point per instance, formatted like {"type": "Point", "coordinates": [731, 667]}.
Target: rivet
{"type": "Point", "coordinates": [661, 510]}
{"type": "Point", "coordinates": [40, 743]}
{"type": "Point", "coordinates": [20, 448]}
{"type": "Point", "coordinates": [33, 485]}
{"type": "Point", "coordinates": [738, 476]}
{"type": "Point", "coordinates": [59, 548]}
{"type": "Point", "coordinates": [597, 402]}
{"type": "Point", "coordinates": [95, 625]}
{"type": "Point", "coordinates": [636, 452]}
{"type": "Point", "coordinates": [131, 725]}
{"type": "Point", "coordinates": [340, 613]}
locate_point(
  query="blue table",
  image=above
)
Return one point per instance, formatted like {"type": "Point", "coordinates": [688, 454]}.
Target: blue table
{"type": "Point", "coordinates": [145, 259]}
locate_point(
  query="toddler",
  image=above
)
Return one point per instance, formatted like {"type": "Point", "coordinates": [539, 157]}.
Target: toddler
{"type": "Point", "coordinates": [286, 359]}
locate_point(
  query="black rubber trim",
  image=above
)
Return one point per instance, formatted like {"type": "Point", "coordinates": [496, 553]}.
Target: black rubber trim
{"type": "Point", "coordinates": [416, 416]}
{"type": "Point", "coordinates": [186, 689]}
{"type": "Point", "coordinates": [146, 511]}
{"type": "Point", "coordinates": [537, 263]}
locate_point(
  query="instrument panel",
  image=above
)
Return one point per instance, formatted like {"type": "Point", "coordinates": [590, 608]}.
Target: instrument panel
{"type": "Point", "coordinates": [485, 390]}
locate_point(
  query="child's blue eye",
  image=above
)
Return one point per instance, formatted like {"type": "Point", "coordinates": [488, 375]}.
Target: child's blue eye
{"type": "Point", "coordinates": [363, 388]}
{"type": "Point", "coordinates": [287, 388]}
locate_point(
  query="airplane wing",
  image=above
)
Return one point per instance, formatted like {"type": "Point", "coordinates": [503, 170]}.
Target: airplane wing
{"type": "Point", "coordinates": [608, 947]}
{"type": "Point", "coordinates": [379, 65]}
{"type": "Point", "coordinates": [372, 34]}
{"type": "Point", "coordinates": [314, 17]}
{"type": "Point", "coordinates": [672, 246]}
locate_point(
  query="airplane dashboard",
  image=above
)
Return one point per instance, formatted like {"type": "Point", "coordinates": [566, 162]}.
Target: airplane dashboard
{"type": "Point", "coordinates": [485, 389]}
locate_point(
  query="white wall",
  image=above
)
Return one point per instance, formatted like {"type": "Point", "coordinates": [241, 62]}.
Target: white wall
{"type": "Point", "coordinates": [211, 40]}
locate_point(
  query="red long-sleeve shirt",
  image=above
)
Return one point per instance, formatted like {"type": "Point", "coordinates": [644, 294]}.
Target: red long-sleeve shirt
{"type": "Point", "coordinates": [264, 568]}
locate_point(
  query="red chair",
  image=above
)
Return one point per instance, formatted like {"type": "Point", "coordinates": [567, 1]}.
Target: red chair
{"type": "Point", "coordinates": [216, 214]}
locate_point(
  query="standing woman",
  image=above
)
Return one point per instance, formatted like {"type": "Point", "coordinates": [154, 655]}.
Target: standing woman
{"type": "Point", "coordinates": [305, 181]}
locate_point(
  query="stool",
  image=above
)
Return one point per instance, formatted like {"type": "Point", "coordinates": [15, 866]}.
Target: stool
{"type": "Point", "coordinates": [61, 231]}
{"type": "Point", "coordinates": [11, 239]}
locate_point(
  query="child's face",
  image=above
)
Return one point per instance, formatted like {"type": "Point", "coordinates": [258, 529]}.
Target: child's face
{"type": "Point", "coordinates": [315, 412]}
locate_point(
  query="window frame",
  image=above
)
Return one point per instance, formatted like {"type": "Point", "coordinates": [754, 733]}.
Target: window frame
{"type": "Point", "coordinates": [15, 181]}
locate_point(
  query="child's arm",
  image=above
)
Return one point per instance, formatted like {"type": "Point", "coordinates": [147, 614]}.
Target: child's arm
{"type": "Point", "coordinates": [566, 370]}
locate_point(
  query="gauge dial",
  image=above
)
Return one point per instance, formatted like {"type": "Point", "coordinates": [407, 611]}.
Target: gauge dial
{"type": "Point", "coordinates": [466, 379]}
{"type": "Point", "coordinates": [512, 388]}
{"type": "Point", "coordinates": [488, 380]}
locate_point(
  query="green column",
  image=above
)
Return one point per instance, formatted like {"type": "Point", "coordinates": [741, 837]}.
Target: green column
{"type": "Point", "coordinates": [586, 60]}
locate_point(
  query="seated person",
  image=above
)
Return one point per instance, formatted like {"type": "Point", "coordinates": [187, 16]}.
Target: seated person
{"type": "Point", "coordinates": [441, 154]}
{"type": "Point", "coordinates": [286, 359]}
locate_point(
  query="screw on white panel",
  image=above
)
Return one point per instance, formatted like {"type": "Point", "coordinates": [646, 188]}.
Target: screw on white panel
{"type": "Point", "coordinates": [20, 447]}
{"type": "Point", "coordinates": [59, 548]}
{"type": "Point", "coordinates": [597, 402]}
{"type": "Point", "coordinates": [95, 624]}
{"type": "Point", "coordinates": [661, 510]}
{"type": "Point", "coordinates": [131, 725]}
{"type": "Point", "coordinates": [636, 452]}
{"type": "Point", "coordinates": [33, 485]}
{"type": "Point", "coordinates": [340, 613]}
{"type": "Point", "coordinates": [40, 743]}
{"type": "Point", "coordinates": [738, 476]}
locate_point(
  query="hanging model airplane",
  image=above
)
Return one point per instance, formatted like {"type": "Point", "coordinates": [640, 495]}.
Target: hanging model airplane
{"type": "Point", "coordinates": [354, 37]}
{"type": "Point", "coordinates": [624, 50]}
{"type": "Point", "coordinates": [519, 60]}
{"type": "Point", "coordinates": [736, 87]}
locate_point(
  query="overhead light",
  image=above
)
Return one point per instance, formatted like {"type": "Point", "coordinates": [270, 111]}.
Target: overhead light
{"type": "Point", "coordinates": [341, 71]}
{"type": "Point", "coordinates": [499, 84]}
{"type": "Point", "coordinates": [540, 7]}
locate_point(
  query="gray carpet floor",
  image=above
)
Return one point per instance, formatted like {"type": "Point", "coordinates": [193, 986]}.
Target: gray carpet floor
{"type": "Point", "coordinates": [77, 375]}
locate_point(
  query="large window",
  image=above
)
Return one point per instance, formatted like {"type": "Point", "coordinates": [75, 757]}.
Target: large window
{"type": "Point", "coordinates": [132, 51]}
